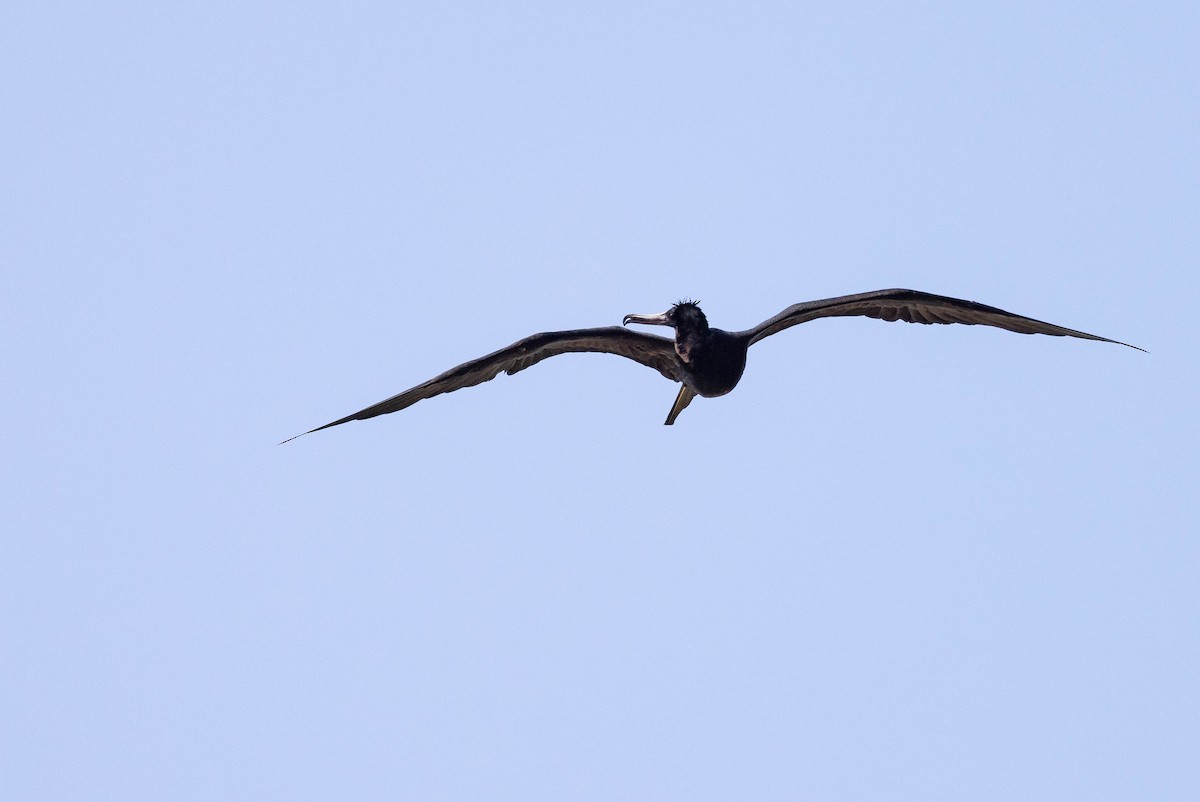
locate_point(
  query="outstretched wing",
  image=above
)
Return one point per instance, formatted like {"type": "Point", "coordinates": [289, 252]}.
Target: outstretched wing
{"type": "Point", "coordinates": [648, 349]}
{"type": "Point", "coordinates": [913, 306]}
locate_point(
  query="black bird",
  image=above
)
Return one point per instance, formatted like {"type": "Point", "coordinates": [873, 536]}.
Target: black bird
{"type": "Point", "coordinates": [706, 360]}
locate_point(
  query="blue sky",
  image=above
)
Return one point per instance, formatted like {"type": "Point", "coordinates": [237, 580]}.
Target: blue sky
{"type": "Point", "coordinates": [898, 561]}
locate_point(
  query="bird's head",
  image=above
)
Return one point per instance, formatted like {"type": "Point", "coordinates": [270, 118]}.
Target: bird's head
{"type": "Point", "coordinates": [690, 324]}
{"type": "Point", "coordinates": [682, 316]}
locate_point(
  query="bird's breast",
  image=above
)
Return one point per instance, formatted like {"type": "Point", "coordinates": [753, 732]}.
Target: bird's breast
{"type": "Point", "coordinates": [717, 367]}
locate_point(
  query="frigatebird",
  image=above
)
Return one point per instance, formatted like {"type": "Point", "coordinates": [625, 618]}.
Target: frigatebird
{"type": "Point", "coordinates": [708, 361]}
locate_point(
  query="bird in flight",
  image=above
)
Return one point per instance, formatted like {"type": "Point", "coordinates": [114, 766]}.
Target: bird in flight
{"type": "Point", "coordinates": [707, 361]}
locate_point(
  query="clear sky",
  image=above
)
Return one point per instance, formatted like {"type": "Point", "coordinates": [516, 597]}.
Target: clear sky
{"type": "Point", "coordinates": [897, 562]}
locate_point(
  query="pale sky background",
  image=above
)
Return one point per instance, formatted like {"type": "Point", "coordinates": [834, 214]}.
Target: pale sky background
{"type": "Point", "coordinates": [897, 562]}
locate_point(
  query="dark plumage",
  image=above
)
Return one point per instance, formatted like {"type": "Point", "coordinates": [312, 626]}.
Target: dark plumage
{"type": "Point", "coordinates": [705, 360]}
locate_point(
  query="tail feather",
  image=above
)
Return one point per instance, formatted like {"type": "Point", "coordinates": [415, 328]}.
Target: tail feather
{"type": "Point", "coordinates": [681, 401]}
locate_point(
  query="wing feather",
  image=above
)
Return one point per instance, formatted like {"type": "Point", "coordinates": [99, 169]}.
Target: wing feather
{"type": "Point", "coordinates": [647, 349]}
{"type": "Point", "coordinates": [913, 306]}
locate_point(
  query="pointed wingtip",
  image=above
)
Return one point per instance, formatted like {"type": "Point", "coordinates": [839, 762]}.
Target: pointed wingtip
{"type": "Point", "coordinates": [326, 426]}
{"type": "Point", "coordinates": [1127, 345]}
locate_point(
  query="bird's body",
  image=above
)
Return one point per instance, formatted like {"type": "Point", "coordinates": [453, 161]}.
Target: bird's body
{"type": "Point", "coordinates": [716, 367]}
{"type": "Point", "coordinates": [709, 361]}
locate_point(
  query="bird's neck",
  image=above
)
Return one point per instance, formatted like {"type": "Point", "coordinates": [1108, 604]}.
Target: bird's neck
{"type": "Point", "coordinates": [689, 342]}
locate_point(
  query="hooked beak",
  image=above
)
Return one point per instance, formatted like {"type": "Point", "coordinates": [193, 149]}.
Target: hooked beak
{"type": "Point", "coordinates": [650, 320]}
